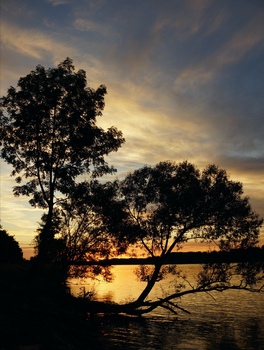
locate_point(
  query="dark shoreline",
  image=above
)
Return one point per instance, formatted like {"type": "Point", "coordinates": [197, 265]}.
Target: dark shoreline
{"type": "Point", "coordinates": [39, 313]}
{"type": "Point", "coordinates": [254, 255]}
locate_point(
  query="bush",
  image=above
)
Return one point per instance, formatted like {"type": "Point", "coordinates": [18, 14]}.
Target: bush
{"type": "Point", "coordinates": [10, 252]}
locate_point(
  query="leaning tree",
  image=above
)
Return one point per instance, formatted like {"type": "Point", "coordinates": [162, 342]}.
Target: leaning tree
{"type": "Point", "coordinates": [165, 206]}
{"type": "Point", "coordinates": [48, 133]}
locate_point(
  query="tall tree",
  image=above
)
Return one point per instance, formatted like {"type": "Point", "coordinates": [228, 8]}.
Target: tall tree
{"type": "Point", "coordinates": [49, 135]}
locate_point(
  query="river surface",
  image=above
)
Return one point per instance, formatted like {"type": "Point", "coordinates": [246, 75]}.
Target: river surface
{"type": "Point", "coordinates": [231, 320]}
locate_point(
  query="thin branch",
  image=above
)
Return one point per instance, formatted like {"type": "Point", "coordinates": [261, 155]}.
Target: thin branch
{"type": "Point", "coordinates": [178, 307]}
{"type": "Point", "coordinates": [169, 308]}
{"type": "Point", "coordinates": [210, 295]}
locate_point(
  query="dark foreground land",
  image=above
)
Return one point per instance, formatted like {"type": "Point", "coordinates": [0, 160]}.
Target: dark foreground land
{"type": "Point", "coordinates": [36, 315]}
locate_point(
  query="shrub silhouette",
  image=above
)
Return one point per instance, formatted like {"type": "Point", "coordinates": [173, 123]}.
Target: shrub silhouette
{"type": "Point", "coordinates": [10, 252]}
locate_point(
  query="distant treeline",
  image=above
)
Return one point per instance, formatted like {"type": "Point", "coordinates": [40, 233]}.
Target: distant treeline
{"type": "Point", "coordinates": [235, 255]}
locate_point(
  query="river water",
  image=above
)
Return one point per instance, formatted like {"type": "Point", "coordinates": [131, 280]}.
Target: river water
{"type": "Point", "coordinates": [231, 320]}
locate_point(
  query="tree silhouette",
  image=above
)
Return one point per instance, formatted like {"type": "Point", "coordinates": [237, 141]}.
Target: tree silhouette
{"type": "Point", "coordinates": [10, 252]}
{"type": "Point", "coordinates": [170, 204]}
{"type": "Point", "coordinates": [49, 135]}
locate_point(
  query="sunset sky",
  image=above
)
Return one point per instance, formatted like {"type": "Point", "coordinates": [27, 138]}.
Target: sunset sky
{"type": "Point", "coordinates": [185, 81]}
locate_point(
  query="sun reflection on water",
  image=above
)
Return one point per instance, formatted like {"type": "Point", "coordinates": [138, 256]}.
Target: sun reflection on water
{"type": "Point", "coordinates": [230, 320]}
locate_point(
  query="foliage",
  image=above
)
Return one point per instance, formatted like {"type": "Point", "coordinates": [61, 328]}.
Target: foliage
{"type": "Point", "coordinates": [48, 133]}
{"type": "Point", "coordinates": [10, 252]}
{"type": "Point", "coordinates": [84, 231]}
{"type": "Point", "coordinates": [170, 204]}
{"type": "Point", "coordinates": [173, 203]}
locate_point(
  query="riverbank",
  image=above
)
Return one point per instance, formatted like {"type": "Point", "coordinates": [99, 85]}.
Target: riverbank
{"type": "Point", "coordinates": [34, 315]}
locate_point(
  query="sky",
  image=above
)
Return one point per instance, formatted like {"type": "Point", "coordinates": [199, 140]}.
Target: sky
{"type": "Point", "coordinates": [185, 81]}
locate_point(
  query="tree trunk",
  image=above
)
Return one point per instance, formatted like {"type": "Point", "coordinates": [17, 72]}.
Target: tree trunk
{"type": "Point", "coordinates": [151, 282]}
{"type": "Point", "coordinates": [46, 238]}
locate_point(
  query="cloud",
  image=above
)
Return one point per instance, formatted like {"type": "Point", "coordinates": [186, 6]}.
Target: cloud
{"type": "Point", "coordinates": [16, 9]}
{"type": "Point", "coordinates": [59, 2]}
{"type": "Point", "coordinates": [92, 26]}
{"type": "Point", "coordinates": [17, 216]}
{"type": "Point", "coordinates": [242, 43]}
{"type": "Point", "coordinates": [203, 71]}
{"type": "Point", "coordinates": [26, 48]}
{"type": "Point", "coordinates": [31, 43]}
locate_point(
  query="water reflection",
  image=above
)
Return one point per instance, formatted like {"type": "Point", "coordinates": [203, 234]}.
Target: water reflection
{"type": "Point", "coordinates": [232, 320]}
{"type": "Point", "coordinates": [154, 333]}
